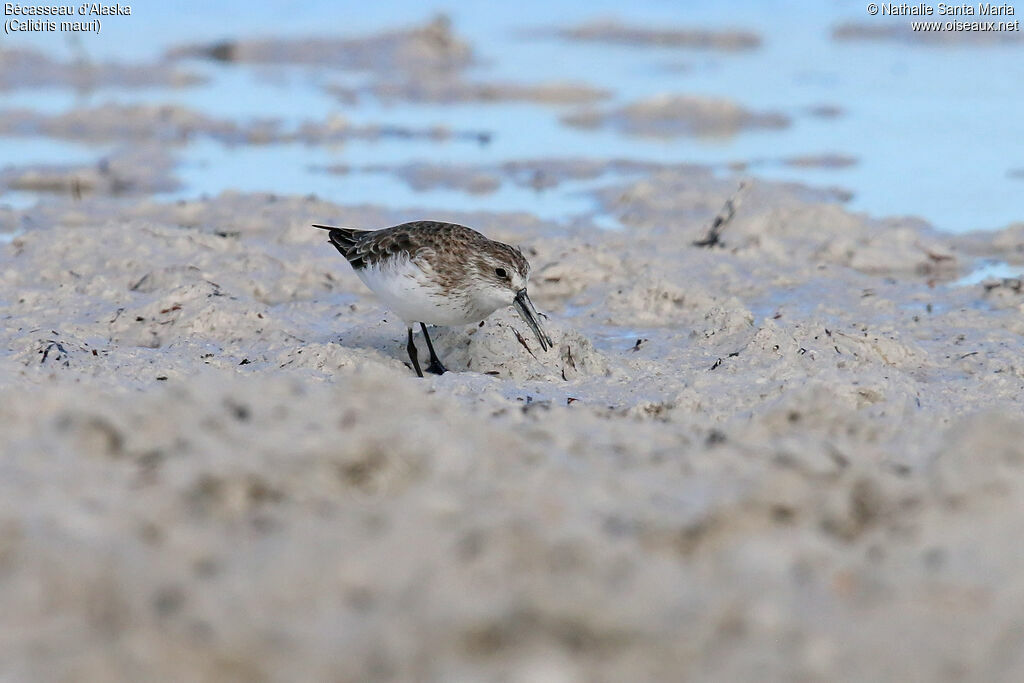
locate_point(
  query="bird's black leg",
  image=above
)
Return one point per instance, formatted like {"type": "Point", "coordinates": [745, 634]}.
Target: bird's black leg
{"type": "Point", "coordinates": [435, 363]}
{"type": "Point", "coordinates": [411, 348]}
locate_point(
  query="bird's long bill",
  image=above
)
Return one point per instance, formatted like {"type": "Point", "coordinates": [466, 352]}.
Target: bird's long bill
{"type": "Point", "coordinates": [524, 307]}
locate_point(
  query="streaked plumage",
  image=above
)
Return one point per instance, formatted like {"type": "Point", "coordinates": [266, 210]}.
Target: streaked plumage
{"type": "Point", "coordinates": [438, 273]}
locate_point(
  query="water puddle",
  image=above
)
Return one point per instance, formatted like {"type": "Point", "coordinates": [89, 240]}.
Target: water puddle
{"type": "Point", "coordinates": [910, 118]}
{"type": "Point", "coordinates": [989, 270]}
{"type": "Point", "coordinates": [8, 237]}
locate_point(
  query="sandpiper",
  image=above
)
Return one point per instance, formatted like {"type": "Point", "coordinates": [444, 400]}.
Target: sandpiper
{"type": "Point", "coordinates": [436, 273]}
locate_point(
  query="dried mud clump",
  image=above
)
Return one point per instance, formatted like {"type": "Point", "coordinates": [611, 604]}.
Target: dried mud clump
{"type": "Point", "coordinates": [136, 172]}
{"type": "Point", "coordinates": [430, 47]}
{"type": "Point", "coordinates": [172, 124]}
{"type": "Point", "coordinates": [771, 225]}
{"type": "Point", "coordinates": [534, 174]}
{"type": "Point", "coordinates": [503, 346]}
{"type": "Point", "coordinates": [22, 68]}
{"type": "Point", "coordinates": [668, 116]}
{"type": "Point", "coordinates": [614, 32]}
{"type": "Point", "coordinates": [448, 88]}
{"type": "Point", "coordinates": [829, 161]}
{"type": "Point", "coordinates": [428, 176]}
{"type": "Point", "coordinates": [122, 123]}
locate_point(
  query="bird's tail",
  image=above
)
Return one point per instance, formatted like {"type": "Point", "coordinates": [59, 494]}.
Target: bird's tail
{"type": "Point", "coordinates": [343, 239]}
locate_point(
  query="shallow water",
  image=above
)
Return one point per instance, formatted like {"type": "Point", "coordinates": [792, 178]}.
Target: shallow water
{"type": "Point", "coordinates": [918, 119]}
{"type": "Point", "coordinates": [988, 270]}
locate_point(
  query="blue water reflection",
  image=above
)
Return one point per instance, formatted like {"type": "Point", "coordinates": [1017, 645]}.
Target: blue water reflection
{"type": "Point", "coordinates": [935, 130]}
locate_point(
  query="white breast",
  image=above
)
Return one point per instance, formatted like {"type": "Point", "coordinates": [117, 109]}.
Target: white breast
{"type": "Point", "coordinates": [405, 289]}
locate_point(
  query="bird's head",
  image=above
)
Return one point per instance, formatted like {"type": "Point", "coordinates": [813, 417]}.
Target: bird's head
{"type": "Point", "coordinates": [501, 273]}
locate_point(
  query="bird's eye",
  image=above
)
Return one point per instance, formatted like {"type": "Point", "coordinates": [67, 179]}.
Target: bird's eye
{"type": "Point", "coordinates": [501, 272]}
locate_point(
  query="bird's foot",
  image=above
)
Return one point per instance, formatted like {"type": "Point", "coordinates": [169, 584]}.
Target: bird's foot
{"type": "Point", "coordinates": [436, 368]}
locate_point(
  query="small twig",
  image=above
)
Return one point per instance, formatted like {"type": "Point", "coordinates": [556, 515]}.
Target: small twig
{"type": "Point", "coordinates": [139, 283]}
{"type": "Point", "coordinates": [54, 344]}
{"type": "Point", "coordinates": [523, 342]}
{"type": "Point", "coordinates": [713, 235]}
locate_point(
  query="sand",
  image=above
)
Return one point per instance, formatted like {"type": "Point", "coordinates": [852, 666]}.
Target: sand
{"type": "Point", "coordinates": [169, 124]}
{"type": "Point", "coordinates": [22, 68]}
{"type": "Point", "coordinates": [668, 115]}
{"type": "Point", "coordinates": [429, 48]}
{"type": "Point", "coordinates": [797, 454]}
{"type": "Point", "coordinates": [536, 174]}
{"type": "Point", "coordinates": [615, 32]}
{"type": "Point", "coordinates": [448, 88]}
{"type": "Point", "coordinates": [141, 170]}
{"type": "Point", "coordinates": [543, 174]}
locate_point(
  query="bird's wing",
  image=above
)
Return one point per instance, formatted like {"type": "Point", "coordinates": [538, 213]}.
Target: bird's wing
{"type": "Point", "coordinates": [345, 240]}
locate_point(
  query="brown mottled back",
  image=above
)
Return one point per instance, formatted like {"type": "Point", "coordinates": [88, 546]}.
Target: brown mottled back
{"type": "Point", "coordinates": [434, 273]}
{"type": "Point", "coordinates": [436, 243]}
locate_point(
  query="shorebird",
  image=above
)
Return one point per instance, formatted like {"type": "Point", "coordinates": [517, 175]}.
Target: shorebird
{"type": "Point", "coordinates": [433, 273]}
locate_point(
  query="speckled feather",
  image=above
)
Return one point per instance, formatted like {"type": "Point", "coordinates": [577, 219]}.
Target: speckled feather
{"type": "Point", "coordinates": [443, 247]}
{"type": "Point", "coordinates": [434, 272]}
